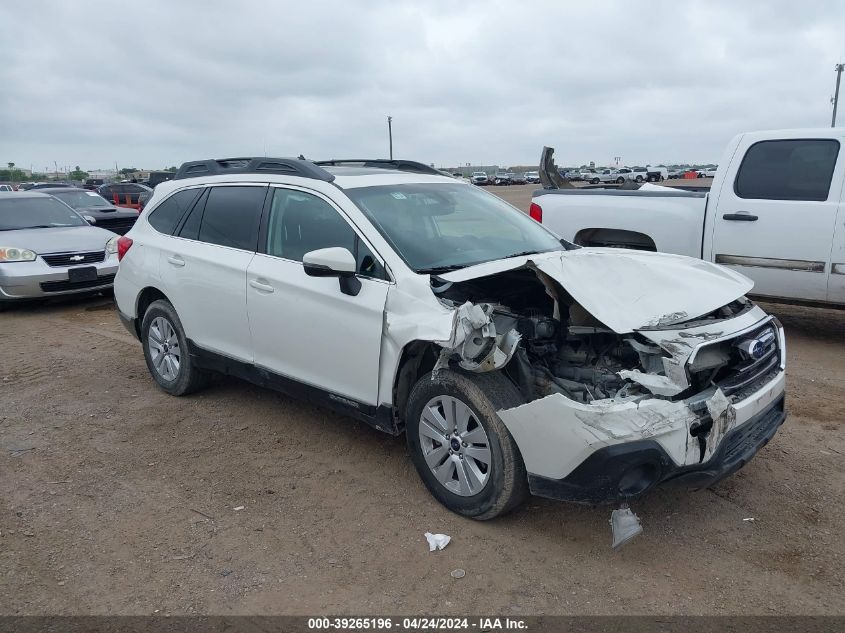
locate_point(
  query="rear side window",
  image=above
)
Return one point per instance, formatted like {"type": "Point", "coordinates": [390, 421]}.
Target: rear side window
{"type": "Point", "coordinates": [166, 216]}
{"type": "Point", "coordinates": [799, 169]}
{"type": "Point", "coordinates": [231, 216]}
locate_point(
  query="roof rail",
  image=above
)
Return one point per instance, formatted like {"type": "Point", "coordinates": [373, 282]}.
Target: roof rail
{"type": "Point", "coordinates": [222, 166]}
{"type": "Point", "coordinates": [384, 163]}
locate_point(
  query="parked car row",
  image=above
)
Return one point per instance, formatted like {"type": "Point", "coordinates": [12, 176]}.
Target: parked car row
{"type": "Point", "coordinates": [504, 178]}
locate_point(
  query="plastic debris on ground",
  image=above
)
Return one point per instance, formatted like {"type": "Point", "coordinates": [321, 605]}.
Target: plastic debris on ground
{"type": "Point", "coordinates": [437, 541]}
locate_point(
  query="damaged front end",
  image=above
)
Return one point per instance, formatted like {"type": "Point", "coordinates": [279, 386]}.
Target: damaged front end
{"type": "Point", "coordinates": [610, 412]}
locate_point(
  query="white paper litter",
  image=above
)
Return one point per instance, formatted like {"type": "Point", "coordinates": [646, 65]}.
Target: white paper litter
{"type": "Point", "coordinates": [238, 509]}
{"type": "Point", "coordinates": [437, 541]}
{"type": "Point", "coordinates": [749, 519]}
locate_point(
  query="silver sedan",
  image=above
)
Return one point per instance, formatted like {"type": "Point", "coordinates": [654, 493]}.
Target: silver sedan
{"type": "Point", "coordinates": [48, 249]}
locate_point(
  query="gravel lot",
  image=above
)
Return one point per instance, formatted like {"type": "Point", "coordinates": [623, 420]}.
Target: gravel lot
{"type": "Point", "coordinates": [118, 499]}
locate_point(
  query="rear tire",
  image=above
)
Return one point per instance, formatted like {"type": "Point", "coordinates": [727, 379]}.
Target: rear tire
{"type": "Point", "coordinates": [620, 181]}
{"type": "Point", "coordinates": [166, 351]}
{"type": "Point", "coordinates": [455, 480]}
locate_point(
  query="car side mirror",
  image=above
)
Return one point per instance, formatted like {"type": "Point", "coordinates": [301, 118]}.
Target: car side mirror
{"type": "Point", "coordinates": [333, 262]}
{"type": "Point", "coordinates": [89, 219]}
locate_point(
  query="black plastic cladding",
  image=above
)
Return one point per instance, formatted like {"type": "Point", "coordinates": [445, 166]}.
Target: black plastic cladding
{"type": "Point", "coordinates": [222, 166]}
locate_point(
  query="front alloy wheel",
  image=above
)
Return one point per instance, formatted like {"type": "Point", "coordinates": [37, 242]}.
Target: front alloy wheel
{"type": "Point", "coordinates": [460, 447]}
{"type": "Point", "coordinates": [455, 445]}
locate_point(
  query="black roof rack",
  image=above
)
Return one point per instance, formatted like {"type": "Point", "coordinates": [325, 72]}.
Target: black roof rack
{"type": "Point", "coordinates": [222, 166]}
{"type": "Point", "coordinates": [384, 163]}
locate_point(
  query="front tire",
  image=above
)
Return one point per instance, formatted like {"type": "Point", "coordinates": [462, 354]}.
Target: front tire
{"type": "Point", "coordinates": [461, 449]}
{"type": "Point", "coordinates": [166, 351]}
{"type": "Point", "coordinates": [620, 181]}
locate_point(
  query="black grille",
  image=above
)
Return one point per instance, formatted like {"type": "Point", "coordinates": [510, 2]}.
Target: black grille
{"type": "Point", "coordinates": [120, 226]}
{"type": "Point", "coordinates": [69, 259]}
{"type": "Point", "coordinates": [61, 286]}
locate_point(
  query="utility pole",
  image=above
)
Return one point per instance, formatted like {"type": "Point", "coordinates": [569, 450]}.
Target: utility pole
{"type": "Point", "coordinates": [839, 68]}
{"type": "Point", "coordinates": [390, 134]}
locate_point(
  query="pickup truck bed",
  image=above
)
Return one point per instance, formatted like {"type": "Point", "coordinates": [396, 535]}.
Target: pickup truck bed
{"type": "Point", "coordinates": [775, 213]}
{"type": "Point", "coordinates": [613, 217]}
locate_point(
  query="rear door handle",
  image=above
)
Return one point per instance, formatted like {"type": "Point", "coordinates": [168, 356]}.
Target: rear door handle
{"type": "Point", "coordinates": [740, 217]}
{"type": "Point", "coordinates": [261, 286]}
{"type": "Point", "coordinates": [176, 260]}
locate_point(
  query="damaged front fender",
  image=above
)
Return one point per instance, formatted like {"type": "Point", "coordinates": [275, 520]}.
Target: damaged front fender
{"type": "Point", "coordinates": [475, 343]}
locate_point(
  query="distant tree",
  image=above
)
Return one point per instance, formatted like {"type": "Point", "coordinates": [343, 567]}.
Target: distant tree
{"type": "Point", "coordinates": [128, 170]}
{"type": "Point", "coordinates": [172, 169]}
{"type": "Point", "coordinates": [78, 174]}
{"type": "Point", "coordinates": [11, 166]}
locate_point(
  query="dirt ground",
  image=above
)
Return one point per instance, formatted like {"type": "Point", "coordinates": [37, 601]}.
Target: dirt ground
{"type": "Point", "coordinates": [116, 498]}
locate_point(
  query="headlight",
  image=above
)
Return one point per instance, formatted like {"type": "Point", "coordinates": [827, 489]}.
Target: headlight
{"type": "Point", "coordinates": [111, 245]}
{"type": "Point", "coordinates": [12, 254]}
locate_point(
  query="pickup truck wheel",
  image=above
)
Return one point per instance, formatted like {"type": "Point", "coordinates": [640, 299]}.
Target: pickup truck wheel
{"type": "Point", "coordinates": [620, 181]}
{"type": "Point", "coordinates": [594, 181]}
{"type": "Point", "coordinates": [461, 449]}
{"type": "Point", "coordinates": [166, 351]}
{"type": "Point", "coordinates": [639, 179]}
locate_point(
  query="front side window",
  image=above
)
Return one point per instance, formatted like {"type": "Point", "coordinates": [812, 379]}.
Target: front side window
{"type": "Point", "coordinates": [231, 216]}
{"type": "Point", "coordinates": [436, 227]}
{"type": "Point", "coordinates": [300, 222]}
{"type": "Point", "coordinates": [799, 169]}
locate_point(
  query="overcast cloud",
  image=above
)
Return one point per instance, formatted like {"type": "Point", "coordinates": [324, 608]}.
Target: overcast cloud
{"type": "Point", "coordinates": [151, 84]}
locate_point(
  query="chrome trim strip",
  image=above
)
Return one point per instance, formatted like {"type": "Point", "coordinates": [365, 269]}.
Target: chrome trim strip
{"type": "Point", "coordinates": [801, 265]}
{"type": "Point", "coordinates": [838, 269]}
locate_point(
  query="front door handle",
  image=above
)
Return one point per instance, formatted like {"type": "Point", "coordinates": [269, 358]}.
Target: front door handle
{"type": "Point", "coordinates": [740, 217]}
{"type": "Point", "coordinates": [261, 286]}
{"type": "Point", "coordinates": [176, 260]}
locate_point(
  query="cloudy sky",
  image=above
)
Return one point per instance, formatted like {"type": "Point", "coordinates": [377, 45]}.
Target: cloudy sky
{"type": "Point", "coordinates": [151, 84]}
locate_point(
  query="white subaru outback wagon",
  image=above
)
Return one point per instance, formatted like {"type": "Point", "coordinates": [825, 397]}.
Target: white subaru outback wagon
{"type": "Point", "coordinates": [513, 361]}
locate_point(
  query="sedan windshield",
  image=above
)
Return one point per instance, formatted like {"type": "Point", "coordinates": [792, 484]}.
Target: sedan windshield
{"type": "Point", "coordinates": [441, 227]}
{"type": "Point", "coordinates": [82, 199]}
{"type": "Point", "coordinates": [36, 213]}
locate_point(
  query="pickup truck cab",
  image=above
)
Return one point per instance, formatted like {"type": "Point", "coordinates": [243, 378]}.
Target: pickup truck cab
{"type": "Point", "coordinates": [774, 213]}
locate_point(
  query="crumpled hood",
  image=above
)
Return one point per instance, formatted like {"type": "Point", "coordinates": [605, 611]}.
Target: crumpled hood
{"type": "Point", "coordinates": [58, 240]}
{"type": "Point", "coordinates": [628, 290]}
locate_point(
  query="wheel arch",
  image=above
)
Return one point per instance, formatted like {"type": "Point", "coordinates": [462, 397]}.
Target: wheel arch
{"type": "Point", "coordinates": [416, 359]}
{"type": "Point", "coordinates": [623, 238]}
{"type": "Point", "coordinates": [145, 298]}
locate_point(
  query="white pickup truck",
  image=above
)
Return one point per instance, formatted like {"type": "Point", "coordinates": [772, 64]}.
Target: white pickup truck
{"type": "Point", "coordinates": [775, 213]}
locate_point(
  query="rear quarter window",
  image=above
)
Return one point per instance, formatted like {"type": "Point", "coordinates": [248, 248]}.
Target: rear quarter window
{"type": "Point", "coordinates": [794, 169]}
{"type": "Point", "coordinates": [165, 217]}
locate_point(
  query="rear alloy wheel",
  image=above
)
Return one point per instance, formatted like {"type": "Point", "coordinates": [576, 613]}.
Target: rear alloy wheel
{"type": "Point", "coordinates": [620, 181]}
{"type": "Point", "coordinates": [639, 179]}
{"type": "Point", "coordinates": [462, 450]}
{"type": "Point", "coordinates": [166, 351]}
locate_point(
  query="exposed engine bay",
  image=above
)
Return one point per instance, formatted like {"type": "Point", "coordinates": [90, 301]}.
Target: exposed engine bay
{"type": "Point", "coordinates": [555, 346]}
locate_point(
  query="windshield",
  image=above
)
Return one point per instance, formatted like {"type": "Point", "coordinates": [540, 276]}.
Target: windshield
{"type": "Point", "coordinates": [441, 227]}
{"type": "Point", "coordinates": [82, 199]}
{"type": "Point", "coordinates": [36, 213]}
